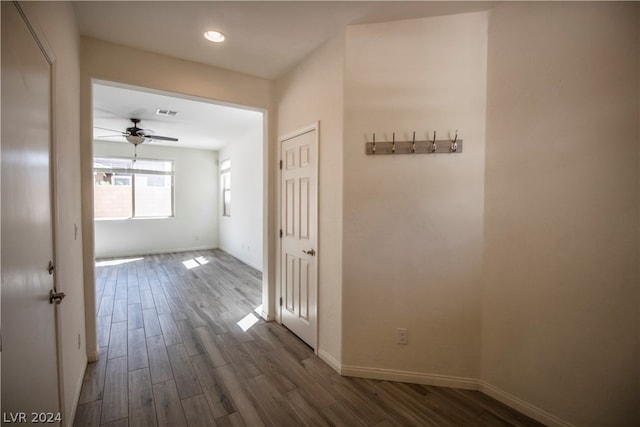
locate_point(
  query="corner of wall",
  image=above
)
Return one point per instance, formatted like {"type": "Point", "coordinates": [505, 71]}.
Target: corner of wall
{"type": "Point", "coordinates": [313, 92]}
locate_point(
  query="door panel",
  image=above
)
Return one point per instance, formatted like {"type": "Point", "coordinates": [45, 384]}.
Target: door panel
{"type": "Point", "coordinates": [29, 356]}
{"type": "Point", "coordinates": [299, 240]}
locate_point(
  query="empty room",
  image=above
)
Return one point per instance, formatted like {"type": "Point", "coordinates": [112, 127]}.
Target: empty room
{"type": "Point", "coordinates": [321, 213]}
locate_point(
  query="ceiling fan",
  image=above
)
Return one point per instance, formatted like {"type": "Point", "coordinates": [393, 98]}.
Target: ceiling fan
{"type": "Point", "coordinates": [136, 135]}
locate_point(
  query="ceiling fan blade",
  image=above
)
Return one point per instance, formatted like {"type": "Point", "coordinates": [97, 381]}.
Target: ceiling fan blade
{"type": "Point", "coordinates": [110, 130]}
{"type": "Point", "coordinates": [121, 135]}
{"type": "Point", "coordinates": [160, 138]}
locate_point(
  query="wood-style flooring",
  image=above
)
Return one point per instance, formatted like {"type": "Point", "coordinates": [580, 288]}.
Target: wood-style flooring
{"type": "Point", "coordinates": [173, 353]}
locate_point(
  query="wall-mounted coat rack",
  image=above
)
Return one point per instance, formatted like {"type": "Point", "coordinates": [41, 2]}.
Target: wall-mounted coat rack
{"type": "Point", "coordinates": [412, 146]}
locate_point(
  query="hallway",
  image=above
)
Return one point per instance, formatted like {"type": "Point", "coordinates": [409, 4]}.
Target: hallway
{"type": "Point", "coordinates": [181, 344]}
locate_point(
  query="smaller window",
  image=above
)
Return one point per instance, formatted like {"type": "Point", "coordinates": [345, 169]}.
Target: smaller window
{"type": "Point", "coordinates": [225, 179]}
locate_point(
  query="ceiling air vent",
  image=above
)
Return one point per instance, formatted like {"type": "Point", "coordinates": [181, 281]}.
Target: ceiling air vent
{"type": "Point", "coordinates": [162, 112]}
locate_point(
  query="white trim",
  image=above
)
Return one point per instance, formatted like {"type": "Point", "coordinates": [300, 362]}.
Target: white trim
{"type": "Point", "coordinates": [92, 356]}
{"type": "Point", "coordinates": [410, 377]}
{"type": "Point", "coordinates": [314, 126]}
{"type": "Point", "coordinates": [438, 380]}
{"type": "Point", "coordinates": [330, 360]}
{"type": "Point", "coordinates": [266, 316]}
{"type": "Point", "coordinates": [38, 34]}
{"type": "Point", "coordinates": [268, 235]}
{"type": "Point", "coordinates": [522, 406]}
{"type": "Point", "coordinates": [155, 252]}
{"type": "Point", "coordinates": [240, 258]}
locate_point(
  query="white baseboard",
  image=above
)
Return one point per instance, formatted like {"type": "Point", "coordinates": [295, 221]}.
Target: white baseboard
{"type": "Point", "coordinates": [330, 360]}
{"type": "Point", "coordinates": [438, 380]}
{"type": "Point", "coordinates": [410, 377]}
{"type": "Point", "coordinates": [522, 406]}
{"type": "Point", "coordinates": [92, 356]}
{"type": "Point", "coordinates": [242, 258]}
{"type": "Point", "coordinates": [143, 252]}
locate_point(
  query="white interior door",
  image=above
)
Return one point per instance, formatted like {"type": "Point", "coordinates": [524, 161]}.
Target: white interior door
{"type": "Point", "coordinates": [298, 221]}
{"type": "Point", "coordinates": [29, 353]}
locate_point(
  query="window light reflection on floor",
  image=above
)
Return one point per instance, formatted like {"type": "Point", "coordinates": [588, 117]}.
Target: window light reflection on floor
{"type": "Point", "coordinates": [247, 322]}
{"type": "Point", "coordinates": [190, 263]}
{"type": "Point", "coordinates": [110, 262]}
{"type": "Point", "coordinates": [195, 262]}
{"type": "Point", "coordinates": [202, 260]}
{"type": "Point", "coordinates": [250, 319]}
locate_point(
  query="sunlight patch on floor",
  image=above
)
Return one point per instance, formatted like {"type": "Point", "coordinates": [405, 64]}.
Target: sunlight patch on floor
{"type": "Point", "coordinates": [202, 260]}
{"type": "Point", "coordinates": [111, 262]}
{"type": "Point", "coordinates": [250, 319]}
{"type": "Point", "coordinates": [195, 262]}
{"type": "Point", "coordinates": [247, 322]}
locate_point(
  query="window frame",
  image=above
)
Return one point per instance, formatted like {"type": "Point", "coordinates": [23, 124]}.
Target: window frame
{"type": "Point", "coordinates": [131, 172]}
{"type": "Point", "coordinates": [225, 170]}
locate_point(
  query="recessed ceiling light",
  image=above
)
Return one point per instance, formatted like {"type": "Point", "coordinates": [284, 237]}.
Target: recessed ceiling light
{"type": "Point", "coordinates": [214, 36]}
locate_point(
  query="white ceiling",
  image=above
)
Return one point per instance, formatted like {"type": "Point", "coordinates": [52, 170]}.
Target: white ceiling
{"type": "Point", "coordinates": [199, 123]}
{"type": "Point", "coordinates": [264, 39]}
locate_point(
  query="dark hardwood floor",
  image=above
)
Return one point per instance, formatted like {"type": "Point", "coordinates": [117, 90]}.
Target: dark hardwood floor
{"type": "Point", "coordinates": [173, 353]}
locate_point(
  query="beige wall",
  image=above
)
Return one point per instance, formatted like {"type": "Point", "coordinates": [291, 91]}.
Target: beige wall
{"type": "Point", "coordinates": [560, 308]}
{"type": "Point", "coordinates": [115, 63]}
{"type": "Point", "coordinates": [516, 273]}
{"type": "Point", "coordinates": [57, 22]}
{"type": "Point", "coordinates": [241, 233]}
{"type": "Point", "coordinates": [413, 223]}
{"type": "Point", "coordinates": [313, 92]}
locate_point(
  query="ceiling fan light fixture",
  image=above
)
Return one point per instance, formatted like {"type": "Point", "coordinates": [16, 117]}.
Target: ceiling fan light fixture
{"type": "Point", "coordinates": [214, 36]}
{"type": "Point", "coordinates": [135, 139]}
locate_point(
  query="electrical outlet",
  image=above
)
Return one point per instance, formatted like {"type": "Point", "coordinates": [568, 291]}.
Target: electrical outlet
{"type": "Point", "coordinates": [403, 336]}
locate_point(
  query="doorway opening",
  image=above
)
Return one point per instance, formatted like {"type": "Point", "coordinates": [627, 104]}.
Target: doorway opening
{"type": "Point", "coordinates": [162, 181]}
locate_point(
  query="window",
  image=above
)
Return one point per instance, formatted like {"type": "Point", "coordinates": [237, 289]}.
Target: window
{"type": "Point", "coordinates": [225, 179]}
{"type": "Point", "coordinates": [125, 188]}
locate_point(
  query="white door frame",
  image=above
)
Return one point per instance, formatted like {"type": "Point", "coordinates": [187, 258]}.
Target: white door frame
{"type": "Point", "coordinates": [278, 288]}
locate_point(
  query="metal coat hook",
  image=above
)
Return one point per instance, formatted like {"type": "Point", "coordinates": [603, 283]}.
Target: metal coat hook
{"type": "Point", "coordinates": [454, 143]}
{"type": "Point", "coordinates": [414, 146]}
{"type": "Point", "coordinates": [434, 147]}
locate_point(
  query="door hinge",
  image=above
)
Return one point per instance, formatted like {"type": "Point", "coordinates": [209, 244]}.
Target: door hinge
{"type": "Point", "coordinates": [280, 164]}
{"type": "Point", "coordinates": [280, 301]}
{"type": "Point", "coordinates": [281, 233]}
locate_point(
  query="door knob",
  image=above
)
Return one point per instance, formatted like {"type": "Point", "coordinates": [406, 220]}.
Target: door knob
{"type": "Point", "coordinates": [310, 252]}
{"type": "Point", "coordinates": [56, 296]}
